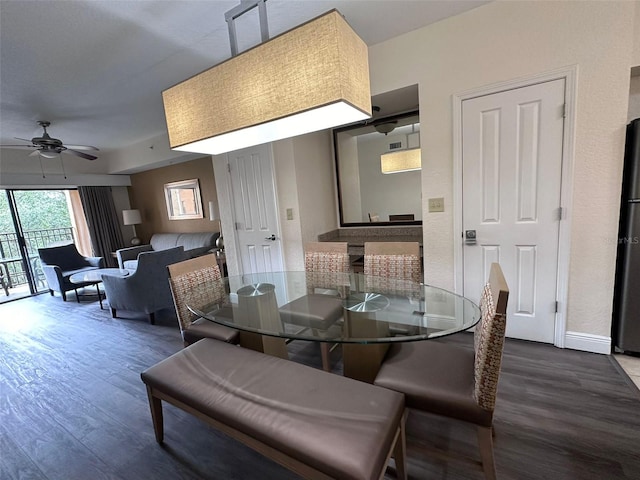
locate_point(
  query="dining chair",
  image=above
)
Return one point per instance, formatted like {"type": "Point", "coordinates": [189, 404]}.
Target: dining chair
{"type": "Point", "coordinates": [452, 381]}
{"type": "Point", "coordinates": [326, 266]}
{"type": "Point", "coordinates": [198, 281]}
{"type": "Point", "coordinates": [391, 269]}
{"type": "Point", "coordinates": [399, 260]}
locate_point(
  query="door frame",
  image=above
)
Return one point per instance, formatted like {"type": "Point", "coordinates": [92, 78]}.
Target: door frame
{"type": "Point", "coordinates": [570, 76]}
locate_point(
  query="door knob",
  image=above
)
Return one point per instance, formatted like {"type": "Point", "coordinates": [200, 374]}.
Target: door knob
{"type": "Point", "coordinates": [272, 237]}
{"type": "Point", "coordinates": [469, 237]}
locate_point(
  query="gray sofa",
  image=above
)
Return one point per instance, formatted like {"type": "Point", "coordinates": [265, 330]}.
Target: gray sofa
{"type": "Point", "coordinates": [62, 261]}
{"type": "Point", "coordinates": [194, 245]}
{"type": "Point", "coordinates": [147, 289]}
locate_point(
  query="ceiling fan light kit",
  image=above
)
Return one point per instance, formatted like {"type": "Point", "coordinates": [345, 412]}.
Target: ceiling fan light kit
{"type": "Point", "coordinates": [385, 128]}
{"type": "Point", "coordinates": [313, 77]}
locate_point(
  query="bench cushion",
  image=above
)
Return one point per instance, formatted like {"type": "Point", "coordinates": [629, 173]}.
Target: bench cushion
{"type": "Point", "coordinates": [337, 425]}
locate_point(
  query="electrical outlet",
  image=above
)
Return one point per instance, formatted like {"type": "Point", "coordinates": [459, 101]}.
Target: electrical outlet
{"type": "Point", "coordinates": [436, 205]}
{"type": "Point", "coordinates": [289, 213]}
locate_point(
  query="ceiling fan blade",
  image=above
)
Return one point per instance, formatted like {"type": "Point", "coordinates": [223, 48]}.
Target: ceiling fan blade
{"type": "Point", "coordinates": [82, 147]}
{"type": "Point", "coordinates": [23, 139]}
{"type": "Point", "coordinates": [80, 154]}
{"type": "Point", "coordinates": [35, 153]}
{"type": "Point", "coordinates": [18, 146]}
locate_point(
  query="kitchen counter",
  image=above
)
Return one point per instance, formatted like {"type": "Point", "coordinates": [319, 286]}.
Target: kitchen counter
{"type": "Point", "coordinates": [357, 237]}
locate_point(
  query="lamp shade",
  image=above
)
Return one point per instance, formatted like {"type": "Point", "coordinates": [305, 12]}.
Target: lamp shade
{"type": "Point", "coordinates": [212, 212]}
{"type": "Point", "coordinates": [401, 161]}
{"type": "Point", "coordinates": [311, 78]}
{"type": "Point", "coordinates": [131, 217]}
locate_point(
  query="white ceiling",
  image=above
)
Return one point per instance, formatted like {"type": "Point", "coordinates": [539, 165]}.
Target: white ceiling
{"type": "Point", "coordinates": [96, 69]}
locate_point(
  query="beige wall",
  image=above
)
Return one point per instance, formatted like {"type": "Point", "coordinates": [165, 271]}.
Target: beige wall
{"type": "Point", "coordinates": [147, 195]}
{"type": "Point", "coordinates": [287, 193]}
{"type": "Point", "coordinates": [634, 99]}
{"type": "Point", "coordinates": [305, 184]}
{"type": "Point", "coordinates": [636, 38]}
{"type": "Point", "coordinates": [508, 40]}
{"type": "Point", "coordinates": [315, 179]}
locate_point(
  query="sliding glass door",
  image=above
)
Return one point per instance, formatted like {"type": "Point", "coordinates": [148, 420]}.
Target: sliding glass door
{"type": "Point", "coordinates": [30, 219]}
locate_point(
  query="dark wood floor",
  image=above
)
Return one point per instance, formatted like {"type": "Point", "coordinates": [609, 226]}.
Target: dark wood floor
{"type": "Point", "coordinates": [72, 406]}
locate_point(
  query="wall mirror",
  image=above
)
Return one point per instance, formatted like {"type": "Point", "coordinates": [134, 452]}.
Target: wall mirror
{"type": "Point", "coordinates": [183, 200]}
{"type": "Point", "coordinates": [378, 168]}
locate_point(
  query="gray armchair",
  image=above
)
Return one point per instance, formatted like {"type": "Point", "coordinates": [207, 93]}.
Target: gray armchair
{"type": "Point", "coordinates": [60, 262]}
{"type": "Point", "coordinates": [147, 289]}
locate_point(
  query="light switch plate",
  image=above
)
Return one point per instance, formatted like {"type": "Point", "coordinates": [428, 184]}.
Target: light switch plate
{"type": "Point", "coordinates": [436, 205]}
{"type": "Point", "coordinates": [289, 213]}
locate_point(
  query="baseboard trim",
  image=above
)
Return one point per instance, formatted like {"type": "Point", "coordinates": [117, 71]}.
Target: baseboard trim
{"type": "Point", "coordinates": [587, 342]}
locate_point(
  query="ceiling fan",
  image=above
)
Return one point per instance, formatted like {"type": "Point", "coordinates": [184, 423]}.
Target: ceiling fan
{"type": "Point", "coordinates": [381, 125]}
{"type": "Point", "coordinates": [49, 147]}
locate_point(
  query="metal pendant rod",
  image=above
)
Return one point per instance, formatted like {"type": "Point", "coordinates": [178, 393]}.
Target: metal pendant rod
{"type": "Point", "coordinates": [239, 10]}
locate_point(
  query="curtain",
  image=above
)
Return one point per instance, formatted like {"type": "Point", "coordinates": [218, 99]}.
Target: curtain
{"type": "Point", "coordinates": [102, 220]}
{"type": "Point", "coordinates": [81, 229]}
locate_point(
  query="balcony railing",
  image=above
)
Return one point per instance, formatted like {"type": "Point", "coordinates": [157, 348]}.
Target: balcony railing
{"type": "Point", "coordinates": [11, 258]}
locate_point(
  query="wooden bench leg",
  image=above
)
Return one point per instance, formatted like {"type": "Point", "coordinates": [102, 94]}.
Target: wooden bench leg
{"type": "Point", "coordinates": [155, 404]}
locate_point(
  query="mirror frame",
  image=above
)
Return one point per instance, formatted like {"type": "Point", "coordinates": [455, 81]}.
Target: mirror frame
{"type": "Point", "coordinates": [336, 131]}
{"type": "Point", "coordinates": [191, 185]}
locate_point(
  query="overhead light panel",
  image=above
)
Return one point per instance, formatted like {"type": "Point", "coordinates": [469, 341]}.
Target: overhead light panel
{"type": "Point", "coordinates": [313, 77]}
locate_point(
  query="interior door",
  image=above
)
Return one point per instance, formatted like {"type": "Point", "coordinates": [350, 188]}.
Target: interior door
{"type": "Point", "coordinates": [255, 209]}
{"type": "Point", "coordinates": [512, 161]}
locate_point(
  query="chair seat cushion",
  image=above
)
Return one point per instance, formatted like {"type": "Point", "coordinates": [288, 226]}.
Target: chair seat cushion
{"type": "Point", "coordinates": [337, 425]}
{"type": "Point", "coordinates": [435, 377]}
{"type": "Point", "coordinates": [68, 273]}
{"type": "Point", "coordinates": [130, 264]}
{"type": "Point", "coordinates": [202, 328]}
{"type": "Point", "coordinates": [313, 311]}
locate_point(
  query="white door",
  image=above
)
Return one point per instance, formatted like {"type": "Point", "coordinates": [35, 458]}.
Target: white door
{"type": "Point", "coordinates": [255, 209]}
{"type": "Point", "coordinates": [511, 166]}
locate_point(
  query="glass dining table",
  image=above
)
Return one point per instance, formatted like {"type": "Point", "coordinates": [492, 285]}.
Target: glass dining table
{"type": "Point", "coordinates": [365, 314]}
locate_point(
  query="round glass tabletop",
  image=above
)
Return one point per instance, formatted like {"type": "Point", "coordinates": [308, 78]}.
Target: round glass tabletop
{"type": "Point", "coordinates": [337, 308]}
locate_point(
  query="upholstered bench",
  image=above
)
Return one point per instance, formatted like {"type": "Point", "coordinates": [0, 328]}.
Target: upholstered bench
{"type": "Point", "coordinates": [317, 424]}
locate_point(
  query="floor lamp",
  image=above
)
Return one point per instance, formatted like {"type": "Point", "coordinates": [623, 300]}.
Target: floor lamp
{"type": "Point", "coordinates": [133, 218]}
{"type": "Point", "coordinates": [213, 218]}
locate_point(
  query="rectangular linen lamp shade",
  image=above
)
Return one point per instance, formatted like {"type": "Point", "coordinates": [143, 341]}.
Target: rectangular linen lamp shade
{"type": "Point", "coordinates": [401, 161]}
{"type": "Point", "coordinates": [313, 77]}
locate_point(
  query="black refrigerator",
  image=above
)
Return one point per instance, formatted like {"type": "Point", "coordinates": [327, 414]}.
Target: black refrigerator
{"type": "Point", "coordinates": [626, 308]}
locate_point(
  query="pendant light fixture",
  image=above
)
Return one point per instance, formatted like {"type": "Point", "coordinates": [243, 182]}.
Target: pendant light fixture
{"type": "Point", "coordinates": [313, 77]}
